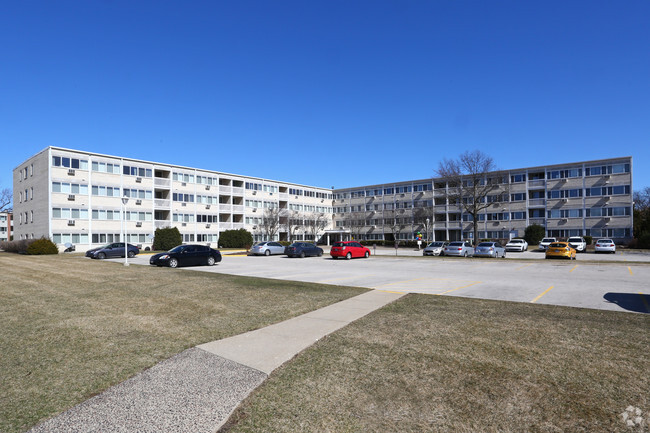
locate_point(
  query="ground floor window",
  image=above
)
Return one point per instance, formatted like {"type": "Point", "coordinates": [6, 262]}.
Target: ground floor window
{"type": "Point", "coordinates": [73, 238]}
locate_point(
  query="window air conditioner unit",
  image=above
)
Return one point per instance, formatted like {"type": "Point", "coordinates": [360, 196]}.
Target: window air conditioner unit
{"type": "Point", "coordinates": [207, 206]}
{"type": "Point", "coordinates": [254, 227]}
{"type": "Point", "coordinates": [184, 225]}
{"type": "Point", "coordinates": [71, 172]}
{"type": "Point", "coordinates": [138, 224]}
{"type": "Point", "coordinates": [207, 226]}
{"type": "Point", "coordinates": [564, 219]}
{"type": "Point", "coordinates": [207, 187]}
{"type": "Point", "coordinates": [607, 181]}
{"type": "Point", "coordinates": [71, 197]}
{"type": "Point", "coordinates": [608, 219]}
{"type": "Point", "coordinates": [138, 179]}
{"type": "Point", "coordinates": [254, 192]}
{"type": "Point", "coordinates": [70, 222]}
{"type": "Point", "coordinates": [608, 177]}
{"type": "Point", "coordinates": [254, 209]}
{"type": "Point", "coordinates": [138, 202]}
{"type": "Point", "coordinates": [183, 183]}
{"type": "Point", "coordinates": [183, 204]}
{"type": "Point", "coordinates": [564, 200]}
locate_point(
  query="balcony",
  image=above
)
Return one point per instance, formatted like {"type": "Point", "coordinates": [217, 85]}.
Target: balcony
{"type": "Point", "coordinates": [537, 202]}
{"type": "Point", "coordinates": [536, 183]}
{"type": "Point", "coordinates": [238, 208]}
{"type": "Point", "coordinates": [538, 221]}
{"type": "Point", "coordinates": [225, 207]}
{"type": "Point", "coordinates": [162, 203]}
{"type": "Point", "coordinates": [160, 182]}
{"type": "Point", "coordinates": [223, 188]}
{"type": "Point", "coordinates": [162, 223]}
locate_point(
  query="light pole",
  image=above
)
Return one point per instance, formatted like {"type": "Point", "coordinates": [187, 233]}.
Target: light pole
{"type": "Point", "coordinates": [428, 238]}
{"type": "Point", "coordinates": [125, 200]}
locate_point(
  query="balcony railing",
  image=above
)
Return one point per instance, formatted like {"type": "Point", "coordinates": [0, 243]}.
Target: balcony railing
{"type": "Point", "coordinates": [161, 203]}
{"type": "Point", "coordinates": [162, 223]}
{"type": "Point", "coordinates": [539, 221]}
{"type": "Point", "coordinates": [157, 181]}
{"type": "Point", "coordinates": [537, 202]}
{"type": "Point", "coordinates": [223, 188]}
{"type": "Point", "coordinates": [225, 207]}
{"type": "Point", "coordinates": [238, 208]}
{"type": "Point", "coordinates": [536, 183]}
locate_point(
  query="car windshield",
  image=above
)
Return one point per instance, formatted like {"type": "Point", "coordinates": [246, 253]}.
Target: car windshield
{"type": "Point", "coordinates": [516, 241]}
{"type": "Point", "coordinates": [260, 244]}
{"type": "Point", "coordinates": [548, 240]}
{"type": "Point", "coordinates": [605, 241]}
{"type": "Point", "coordinates": [485, 244]}
{"type": "Point", "coordinates": [456, 244]}
{"type": "Point", "coordinates": [558, 245]}
{"type": "Point", "coordinates": [177, 249]}
{"type": "Point", "coordinates": [435, 244]}
{"type": "Point", "coordinates": [575, 240]}
{"type": "Point", "coordinates": [339, 244]}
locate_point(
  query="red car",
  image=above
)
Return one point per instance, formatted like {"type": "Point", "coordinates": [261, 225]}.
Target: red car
{"type": "Point", "coordinates": [348, 250]}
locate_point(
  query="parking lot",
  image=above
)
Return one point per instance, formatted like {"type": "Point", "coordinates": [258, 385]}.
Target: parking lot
{"type": "Point", "coordinates": [620, 285]}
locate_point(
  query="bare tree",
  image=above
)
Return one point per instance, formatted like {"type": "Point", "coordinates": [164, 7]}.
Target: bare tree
{"type": "Point", "coordinates": [6, 197]}
{"type": "Point", "coordinates": [423, 217]}
{"type": "Point", "coordinates": [316, 223]}
{"type": "Point", "coordinates": [292, 222]}
{"type": "Point", "coordinates": [469, 183]}
{"type": "Point", "coordinates": [270, 223]}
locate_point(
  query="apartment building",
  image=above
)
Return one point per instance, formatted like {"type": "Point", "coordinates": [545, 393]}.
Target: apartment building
{"type": "Point", "coordinates": [591, 198]}
{"type": "Point", "coordinates": [6, 226]}
{"type": "Point", "coordinates": [88, 199]}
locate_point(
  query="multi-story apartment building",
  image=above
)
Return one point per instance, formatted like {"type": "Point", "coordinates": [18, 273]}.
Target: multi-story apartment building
{"type": "Point", "coordinates": [86, 199]}
{"type": "Point", "coordinates": [591, 198]}
{"type": "Point", "coordinates": [6, 226]}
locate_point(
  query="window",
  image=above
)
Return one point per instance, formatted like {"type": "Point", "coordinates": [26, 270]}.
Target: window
{"type": "Point", "coordinates": [62, 161]}
{"type": "Point", "coordinates": [518, 215]}
{"type": "Point", "coordinates": [137, 171]}
{"type": "Point", "coordinates": [520, 196]}
{"type": "Point", "coordinates": [105, 167]}
{"type": "Point", "coordinates": [517, 178]}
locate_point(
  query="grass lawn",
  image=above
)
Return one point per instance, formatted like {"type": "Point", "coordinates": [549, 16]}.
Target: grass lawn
{"type": "Point", "coordinates": [449, 364]}
{"type": "Point", "coordinates": [72, 327]}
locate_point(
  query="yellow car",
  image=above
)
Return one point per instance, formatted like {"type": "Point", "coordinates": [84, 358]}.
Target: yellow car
{"type": "Point", "coordinates": [560, 250]}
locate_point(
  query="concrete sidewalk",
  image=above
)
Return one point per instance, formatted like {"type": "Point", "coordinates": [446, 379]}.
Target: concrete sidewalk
{"type": "Point", "coordinates": [198, 389]}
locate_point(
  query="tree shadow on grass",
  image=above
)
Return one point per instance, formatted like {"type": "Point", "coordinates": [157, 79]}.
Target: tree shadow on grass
{"type": "Point", "coordinates": [637, 302]}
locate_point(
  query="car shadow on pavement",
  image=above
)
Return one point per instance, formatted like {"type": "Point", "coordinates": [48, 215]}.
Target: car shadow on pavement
{"type": "Point", "coordinates": [637, 302]}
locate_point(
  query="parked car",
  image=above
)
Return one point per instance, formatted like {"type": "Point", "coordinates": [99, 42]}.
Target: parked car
{"type": "Point", "coordinates": [543, 245]}
{"type": "Point", "coordinates": [463, 249]}
{"type": "Point", "coordinates": [116, 249]}
{"type": "Point", "coordinates": [490, 249]}
{"type": "Point", "coordinates": [517, 245]}
{"type": "Point", "coordinates": [267, 248]}
{"type": "Point", "coordinates": [435, 249]}
{"type": "Point", "coordinates": [302, 249]}
{"type": "Point", "coordinates": [578, 243]}
{"type": "Point", "coordinates": [605, 246]}
{"type": "Point", "coordinates": [187, 255]}
{"type": "Point", "coordinates": [349, 250]}
{"type": "Point", "coordinates": [560, 250]}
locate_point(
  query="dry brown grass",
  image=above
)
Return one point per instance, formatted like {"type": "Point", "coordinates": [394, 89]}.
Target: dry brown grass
{"type": "Point", "coordinates": [72, 327]}
{"type": "Point", "coordinates": [446, 364]}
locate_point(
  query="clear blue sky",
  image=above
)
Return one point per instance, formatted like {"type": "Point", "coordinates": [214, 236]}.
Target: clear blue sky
{"type": "Point", "coordinates": [327, 93]}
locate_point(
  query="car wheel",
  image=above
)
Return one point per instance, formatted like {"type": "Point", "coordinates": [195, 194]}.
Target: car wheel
{"type": "Point", "coordinates": [320, 254]}
{"type": "Point", "coordinates": [348, 256]}
{"type": "Point", "coordinates": [366, 255]}
{"type": "Point", "coordinates": [131, 254]}
{"type": "Point", "coordinates": [267, 252]}
{"type": "Point", "coordinates": [504, 255]}
{"type": "Point", "coordinates": [173, 263]}
{"type": "Point", "coordinates": [211, 261]}
{"type": "Point", "coordinates": [101, 256]}
{"type": "Point", "coordinates": [302, 254]}
{"type": "Point", "coordinates": [465, 255]}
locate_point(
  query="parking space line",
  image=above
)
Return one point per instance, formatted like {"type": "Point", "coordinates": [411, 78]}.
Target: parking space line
{"type": "Point", "coordinates": [458, 288]}
{"type": "Point", "coordinates": [574, 268]}
{"type": "Point", "coordinates": [543, 293]}
{"type": "Point", "coordinates": [630, 270]}
{"type": "Point", "coordinates": [524, 266]}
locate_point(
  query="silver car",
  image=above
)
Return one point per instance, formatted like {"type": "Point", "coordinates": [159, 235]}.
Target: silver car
{"type": "Point", "coordinates": [605, 246]}
{"type": "Point", "coordinates": [461, 249]}
{"type": "Point", "coordinates": [435, 249]}
{"type": "Point", "coordinates": [490, 249]}
{"type": "Point", "coordinates": [267, 248]}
